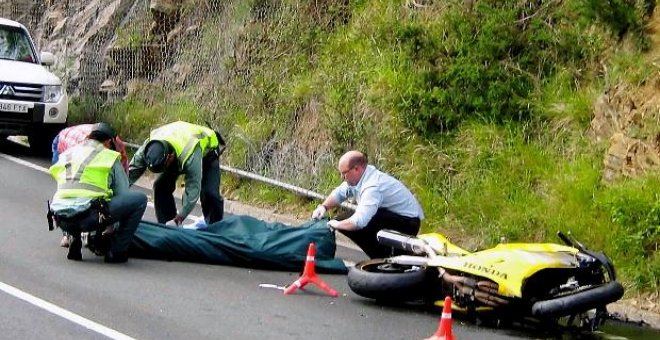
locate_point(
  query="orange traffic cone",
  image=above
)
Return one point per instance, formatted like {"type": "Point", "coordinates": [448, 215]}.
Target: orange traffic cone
{"type": "Point", "coordinates": [444, 328]}
{"type": "Point", "coordinates": [309, 275]}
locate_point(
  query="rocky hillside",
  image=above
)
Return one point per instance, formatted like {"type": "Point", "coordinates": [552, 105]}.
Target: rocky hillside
{"type": "Point", "coordinates": [626, 114]}
{"type": "Point", "coordinates": [506, 118]}
{"type": "Point", "coordinates": [294, 83]}
{"type": "Point", "coordinates": [107, 48]}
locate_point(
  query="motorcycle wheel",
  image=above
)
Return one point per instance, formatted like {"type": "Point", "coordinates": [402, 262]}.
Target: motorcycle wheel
{"type": "Point", "coordinates": [391, 282]}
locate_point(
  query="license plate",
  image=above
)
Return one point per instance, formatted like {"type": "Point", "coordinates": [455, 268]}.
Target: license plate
{"type": "Point", "coordinates": [13, 107]}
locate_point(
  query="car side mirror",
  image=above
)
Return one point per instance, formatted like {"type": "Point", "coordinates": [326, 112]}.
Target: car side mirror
{"type": "Point", "coordinates": [47, 58]}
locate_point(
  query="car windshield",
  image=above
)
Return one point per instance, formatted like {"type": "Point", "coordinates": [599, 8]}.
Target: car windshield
{"type": "Point", "coordinates": [15, 45]}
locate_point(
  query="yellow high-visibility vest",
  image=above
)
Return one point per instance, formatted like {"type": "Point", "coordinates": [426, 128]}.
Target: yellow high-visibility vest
{"type": "Point", "coordinates": [84, 171]}
{"type": "Point", "coordinates": [184, 137]}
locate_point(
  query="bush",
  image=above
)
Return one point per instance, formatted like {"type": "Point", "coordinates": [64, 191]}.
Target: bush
{"type": "Point", "coordinates": [84, 109]}
{"type": "Point", "coordinates": [481, 113]}
{"type": "Point", "coordinates": [634, 208]}
{"type": "Point", "coordinates": [488, 64]}
{"type": "Point", "coordinates": [622, 17]}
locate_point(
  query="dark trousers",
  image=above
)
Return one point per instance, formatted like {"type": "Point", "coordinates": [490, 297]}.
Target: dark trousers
{"type": "Point", "coordinates": [127, 209]}
{"type": "Point", "coordinates": [365, 238]}
{"type": "Point", "coordinates": [212, 202]}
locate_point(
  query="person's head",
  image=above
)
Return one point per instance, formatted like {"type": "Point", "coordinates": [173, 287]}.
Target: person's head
{"type": "Point", "coordinates": [4, 39]}
{"type": "Point", "coordinates": [104, 134]}
{"type": "Point", "coordinates": [158, 155]}
{"type": "Point", "coordinates": [351, 166]}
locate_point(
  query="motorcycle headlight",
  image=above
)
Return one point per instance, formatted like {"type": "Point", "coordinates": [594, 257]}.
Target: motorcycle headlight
{"type": "Point", "coordinates": [52, 93]}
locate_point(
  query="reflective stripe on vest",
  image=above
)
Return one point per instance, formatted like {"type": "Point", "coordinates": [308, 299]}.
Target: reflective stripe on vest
{"type": "Point", "coordinates": [83, 171]}
{"type": "Point", "coordinates": [184, 137]}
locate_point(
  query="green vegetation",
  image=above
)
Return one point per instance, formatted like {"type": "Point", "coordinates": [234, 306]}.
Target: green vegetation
{"type": "Point", "coordinates": [634, 209]}
{"type": "Point", "coordinates": [482, 111]}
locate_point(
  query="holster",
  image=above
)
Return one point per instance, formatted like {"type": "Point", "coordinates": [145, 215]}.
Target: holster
{"type": "Point", "coordinates": [104, 210]}
{"type": "Point", "coordinates": [50, 216]}
{"type": "Point", "coordinates": [222, 145]}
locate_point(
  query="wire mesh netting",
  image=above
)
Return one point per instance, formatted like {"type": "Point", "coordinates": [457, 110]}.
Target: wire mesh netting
{"type": "Point", "coordinates": [190, 60]}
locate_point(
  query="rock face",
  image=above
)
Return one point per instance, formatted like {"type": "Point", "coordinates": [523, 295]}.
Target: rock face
{"type": "Point", "coordinates": [628, 117]}
{"type": "Point", "coordinates": [621, 115]}
{"type": "Point", "coordinates": [165, 14]}
{"type": "Point", "coordinates": [104, 46]}
{"type": "Point", "coordinates": [89, 39]}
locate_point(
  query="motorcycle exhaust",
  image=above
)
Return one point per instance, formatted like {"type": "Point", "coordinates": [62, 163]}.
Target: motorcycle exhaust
{"type": "Point", "coordinates": [483, 291]}
{"type": "Point", "coordinates": [395, 239]}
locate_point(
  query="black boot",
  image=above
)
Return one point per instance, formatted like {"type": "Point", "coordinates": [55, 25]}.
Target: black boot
{"type": "Point", "coordinates": [99, 243]}
{"type": "Point", "coordinates": [75, 249]}
{"type": "Point", "coordinates": [116, 257]}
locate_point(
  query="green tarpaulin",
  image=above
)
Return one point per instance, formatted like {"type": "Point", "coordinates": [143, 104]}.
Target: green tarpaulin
{"type": "Point", "coordinates": [241, 241]}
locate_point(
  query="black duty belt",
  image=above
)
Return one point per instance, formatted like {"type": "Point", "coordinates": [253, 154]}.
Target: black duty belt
{"type": "Point", "coordinates": [97, 207]}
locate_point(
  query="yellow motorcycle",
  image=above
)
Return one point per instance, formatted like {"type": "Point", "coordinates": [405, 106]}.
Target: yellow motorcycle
{"type": "Point", "coordinates": [545, 282]}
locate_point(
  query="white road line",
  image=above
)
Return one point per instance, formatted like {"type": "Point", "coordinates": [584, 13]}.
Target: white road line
{"type": "Point", "coordinates": [149, 204]}
{"type": "Point", "coordinates": [47, 305]}
{"type": "Point", "coordinates": [339, 241]}
{"type": "Point", "coordinates": [44, 170]}
{"type": "Point", "coordinates": [22, 162]}
{"type": "Point", "coordinates": [73, 317]}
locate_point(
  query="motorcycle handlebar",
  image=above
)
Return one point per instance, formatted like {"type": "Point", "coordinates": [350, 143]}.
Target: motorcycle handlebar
{"type": "Point", "coordinates": [571, 241]}
{"type": "Point", "coordinates": [564, 239]}
{"type": "Point", "coordinates": [395, 239]}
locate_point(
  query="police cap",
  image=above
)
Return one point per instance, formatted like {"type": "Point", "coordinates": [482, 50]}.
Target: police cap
{"type": "Point", "coordinates": [155, 155]}
{"type": "Point", "coordinates": [102, 132]}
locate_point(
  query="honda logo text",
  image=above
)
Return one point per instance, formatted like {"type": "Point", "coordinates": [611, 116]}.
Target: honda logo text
{"type": "Point", "coordinates": [487, 270]}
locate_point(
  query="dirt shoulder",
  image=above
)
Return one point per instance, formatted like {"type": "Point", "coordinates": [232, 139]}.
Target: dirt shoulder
{"type": "Point", "coordinates": [640, 309]}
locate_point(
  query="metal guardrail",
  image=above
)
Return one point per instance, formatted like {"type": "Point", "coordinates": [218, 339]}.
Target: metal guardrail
{"type": "Point", "coordinates": [244, 174]}
{"type": "Point", "coordinates": [280, 184]}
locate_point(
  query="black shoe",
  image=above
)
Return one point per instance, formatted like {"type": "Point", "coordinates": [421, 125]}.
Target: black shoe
{"type": "Point", "coordinates": [116, 257]}
{"type": "Point", "coordinates": [99, 244]}
{"type": "Point", "coordinates": [75, 250]}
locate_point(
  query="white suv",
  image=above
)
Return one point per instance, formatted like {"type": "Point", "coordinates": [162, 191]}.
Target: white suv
{"type": "Point", "coordinates": [33, 101]}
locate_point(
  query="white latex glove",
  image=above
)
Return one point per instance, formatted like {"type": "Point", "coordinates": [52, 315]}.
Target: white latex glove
{"type": "Point", "coordinates": [332, 224]}
{"type": "Point", "coordinates": [319, 212]}
{"type": "Point", "coordinates": [177, 221]}
{"type": "Point", "coordinates": [199, 223]}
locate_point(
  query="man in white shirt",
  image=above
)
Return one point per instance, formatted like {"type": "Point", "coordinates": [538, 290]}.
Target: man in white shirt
{"type": "Point", "coordinates": [383, 202]}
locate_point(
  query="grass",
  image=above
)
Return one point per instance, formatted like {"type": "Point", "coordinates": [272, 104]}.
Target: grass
{"type": "Point", "coordinates": [484, 114]}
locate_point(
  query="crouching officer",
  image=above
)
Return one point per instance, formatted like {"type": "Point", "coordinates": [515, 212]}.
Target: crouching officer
{"type": "Point", "coordinates": [93, 192]}
{"type": "Point", "coordinates": [77, 134]}
{"type": "Point", "coordinates": [182, 148]}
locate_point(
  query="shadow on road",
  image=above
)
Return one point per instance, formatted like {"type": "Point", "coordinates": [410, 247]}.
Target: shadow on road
{"type": "Point", "coordinates": [14, 146]}
{"type": "Point", "coordinates": [612, 329]}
